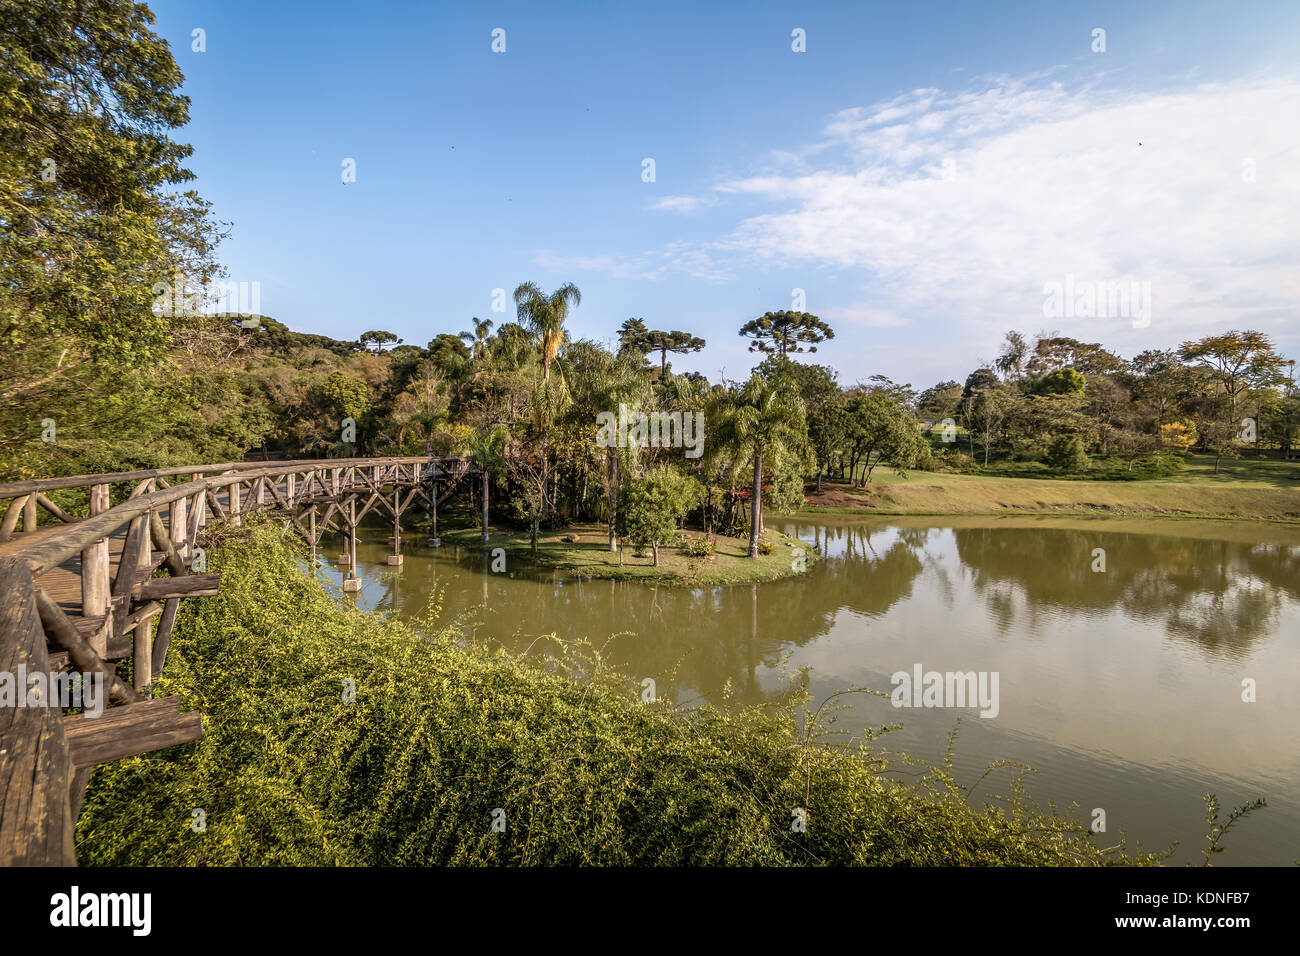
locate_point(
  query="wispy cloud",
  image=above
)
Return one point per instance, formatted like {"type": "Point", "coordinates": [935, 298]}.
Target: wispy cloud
{"type": "Point", "coordinates": [683, 204]}
{"type": "Point", "coordinates": [956, 208]}
{"type": "Point", "coordinates": [967, 204]}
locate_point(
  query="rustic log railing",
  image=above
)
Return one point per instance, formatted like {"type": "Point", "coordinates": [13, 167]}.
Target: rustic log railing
{"type": "Point", "coordinates": [79, 594]}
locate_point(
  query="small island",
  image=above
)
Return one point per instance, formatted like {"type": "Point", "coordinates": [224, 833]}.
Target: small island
{"type": "Point", "coordinates": [699, 560]}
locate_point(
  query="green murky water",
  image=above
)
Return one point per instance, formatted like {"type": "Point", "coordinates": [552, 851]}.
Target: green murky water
{"type": "Point", "coordinates": [1122, 688]}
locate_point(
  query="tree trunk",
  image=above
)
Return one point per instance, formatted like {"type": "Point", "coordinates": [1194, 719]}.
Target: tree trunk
{"type": "Point", "coordinates": [545, 434]}
{"type": "Point", "coordinates": [654, 546]}
{"type": "Point", "coordinates": [485, 503]}
{"type": "Point", "coordinates": [756, 506]}
{"type": "Point", "coordinates": [613, 498]}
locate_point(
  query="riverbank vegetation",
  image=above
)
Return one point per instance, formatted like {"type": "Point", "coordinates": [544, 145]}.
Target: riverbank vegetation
{"type": "Point", "coordinates": [339, 737]}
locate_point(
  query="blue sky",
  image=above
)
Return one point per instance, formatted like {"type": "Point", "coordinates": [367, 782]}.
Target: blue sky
{"type": "Point", "coordinates": [921, 171]}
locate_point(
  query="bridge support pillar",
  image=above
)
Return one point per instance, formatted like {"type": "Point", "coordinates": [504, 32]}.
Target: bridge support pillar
{"type": "Point", "coordinates": [395, 559]}
{"type": "Point", "coordinates": [352, 583]}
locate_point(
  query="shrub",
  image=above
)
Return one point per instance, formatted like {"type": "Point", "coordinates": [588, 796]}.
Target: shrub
{"type": "Point", "coordinates": [697, 547]}
{"type": "Point", "coordinates": [1067, 453]}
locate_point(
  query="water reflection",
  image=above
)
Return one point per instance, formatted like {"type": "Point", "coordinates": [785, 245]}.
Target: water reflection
{"type": "Point", "coordinates": [1122, 687]}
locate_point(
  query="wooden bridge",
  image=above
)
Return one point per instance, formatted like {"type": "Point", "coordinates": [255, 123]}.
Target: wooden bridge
{"type": "Point", "coordinates": [78, 594]}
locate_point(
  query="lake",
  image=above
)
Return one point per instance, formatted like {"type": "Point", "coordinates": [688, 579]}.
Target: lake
{"type": "Point", "coordinates": [1118, 648]}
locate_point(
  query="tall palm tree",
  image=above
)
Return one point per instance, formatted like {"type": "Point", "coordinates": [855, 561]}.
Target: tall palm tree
{"type": "Point", "coordinates": [620, 381]}
{"type": "Point", "coordinates": [764, 424]}
{"type": "Point", "coordinates": [487, 449]}
{"type": "Point", "coordinates": [478, 339]}
{"type": "Point", "coordinates": [544, 316]}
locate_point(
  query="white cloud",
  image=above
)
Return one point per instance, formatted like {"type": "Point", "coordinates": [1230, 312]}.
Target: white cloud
{"type": "Point", "coordinates": [965, 205]}
{"type": "Point", "coordinates": [952, 210]}
{"type": "Point", "coordinates": [865, 316]}
{"type": "Point", "coordinates": [682, 204]}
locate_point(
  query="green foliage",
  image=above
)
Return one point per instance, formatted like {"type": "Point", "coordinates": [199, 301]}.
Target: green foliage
{"type": "Point", "coordinates": [1066, 453]}
{"type": "Point", "coordinates": [1062, 381]}
{"type": "Point", "coordinates": [697, 547]}
{"type": "Point", "coordinates": [439, 735]}
{"type": "Point", "coordinates": [655, 502]}
{"type": "Point", "coordinates": [785, 333]}
{"type": "Point", "coordinates": [346, 397]}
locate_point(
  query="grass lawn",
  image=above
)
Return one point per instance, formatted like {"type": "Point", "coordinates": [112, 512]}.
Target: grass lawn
{"type": "Point", "coordinates": [590, 555]}
{"type": "Point", "coordinates": [1254, 489]}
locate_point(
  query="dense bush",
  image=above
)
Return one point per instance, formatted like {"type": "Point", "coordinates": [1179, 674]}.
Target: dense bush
{"type": "Point", "coordinates": [439, 736]}
{"type": "Point", "coordinates": [697, 547]}
{"type": "Point", "coordinates": [1067, 453]}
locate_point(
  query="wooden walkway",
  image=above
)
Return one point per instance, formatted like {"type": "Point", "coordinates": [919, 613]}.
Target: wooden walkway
{"type": "Point", "coordinates": [78, 594]}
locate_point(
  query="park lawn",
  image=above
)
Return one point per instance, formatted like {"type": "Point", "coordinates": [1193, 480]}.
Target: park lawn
{"type": "Point", "coordinates": [1247, 489]}
{"type": "Point", "coordinates": [590, 555]}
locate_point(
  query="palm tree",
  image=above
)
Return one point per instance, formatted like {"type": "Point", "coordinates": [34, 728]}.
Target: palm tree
{"type": "Point", "coordinates": [544, 316]}
{"type": "Point", "coordinates": [487, 449]}
{"type": "Point", "coordinates": [764, 424]}
{"type": "Point", "coordinates": [478, 339]}
{"type": "Point", "coordinates": [618, 382]}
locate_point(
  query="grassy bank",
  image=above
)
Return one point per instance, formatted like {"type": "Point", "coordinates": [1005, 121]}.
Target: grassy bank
{"type": "Point", "coordinates": [590, 554]}
{"type": "Point", "coordinates": [1254, 490]}
{"type": "Point", "coordinates": [438, 737]}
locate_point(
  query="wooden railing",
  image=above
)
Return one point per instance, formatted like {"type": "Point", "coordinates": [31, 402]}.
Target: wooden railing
{"type": "Point", "coordinates": [64, 606]}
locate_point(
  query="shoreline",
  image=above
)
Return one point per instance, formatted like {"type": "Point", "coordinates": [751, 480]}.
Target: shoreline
{"type": "Point", "coordinates": [1225, 497]}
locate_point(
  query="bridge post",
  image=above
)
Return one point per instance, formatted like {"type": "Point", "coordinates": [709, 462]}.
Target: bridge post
{"type": "Point", "coordinates": [234, 507]}
{"type": "Point", "coordinates": [95, 573]}
{"type": "Point", "coordinates": [177, 521]}
{"type": "Point", "coordinates": [29, 513]}
{"type": "Point", "coordinates": [395, 559]}
{"type": "Point", "coordinates": [437, 542]}
{"type": "Point", "coordinates": [352, 582]}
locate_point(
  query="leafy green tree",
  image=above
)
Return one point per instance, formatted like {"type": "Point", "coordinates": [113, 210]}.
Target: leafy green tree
{"type": "Point", "coordinates": [1067, 453]}
{"type": "Point", "coordinates": [679, 343]}
{"type": "Point", "coordinates": [881, 426]}
{"type": "Point", "coordinates": [633, 336]}
{"type": "Point", "coordinates": [95, 230]}
{"type": "Point", "coordinates": [450, 355]}
{"type": "Point", "coordinates": [345, 396]}
{"type": "Point", "coordinates": [1237, 362]}
{"type": "Point", "coordinates": [1061, 351]}
{"type": "Point", "coordinates": [1061, 381]}
{"type": "Point", "coordinates": [654, 504]}
{"type": "Point", "coordinates": [765, 423]}
{"type": "Point", "coordinates": [991, 408]}
{"type": "Point", "coordinates": [1011, 360]}
{"type": "Point", "coordinates": [1161, 381]}
{"type": "Point", "coordinates": [785, 333]}
{"type": "Point", "coordinates": [378, 340]}
{"type": "Point", "coordinates": [486, 448]}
